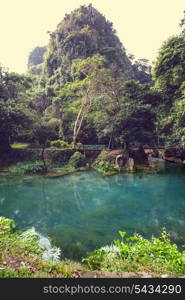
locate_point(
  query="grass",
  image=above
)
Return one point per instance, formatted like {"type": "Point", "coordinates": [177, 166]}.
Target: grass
{"type": "Point", "coordinates": [24, 145]}
{"type": "Point", "coordinates": [27, 167]}
{"type": "Point", "coordinates": [20, 145]}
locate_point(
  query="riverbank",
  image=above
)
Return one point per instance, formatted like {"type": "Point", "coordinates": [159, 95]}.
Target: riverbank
{"type": "Point", "coordinates": [60, 162]}
{"type": "Point", "coordinates": [57, 157]}
{"type": "Point", "coordinates": [21, 256]}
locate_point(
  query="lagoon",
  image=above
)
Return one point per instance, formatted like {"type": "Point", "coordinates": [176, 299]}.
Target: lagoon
{"type": "Point", "coordinates": [84, 211]}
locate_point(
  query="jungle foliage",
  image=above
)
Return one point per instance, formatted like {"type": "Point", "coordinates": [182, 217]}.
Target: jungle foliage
{"type": "Point", "coordinates": [86, 89]}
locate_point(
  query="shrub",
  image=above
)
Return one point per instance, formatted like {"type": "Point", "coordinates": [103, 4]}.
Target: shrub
{"type": "Point", "coordinates": [65, 145]}
{"type": "Point", "coordinates": [55, 144]}
{"type": "Point", "coordinates": [48, 144]}
{"type": "Point", "coordinates": [103, 165]}
{"type": "Point", "coordinates": [26, 155]}
{"type": "Point", "coordinates": [27, 167]}
{"type": "Point", "coordinates": [60, 144]}
{"type": "Point", "coordinates": [6, 226]}
{"type": "Point", "coordinates": [79, 146]}
{"type": "Point", "coordinates": [61, 157]}
{"type": "Point", "coordinates": [157, 255]}
{"type": "Point", "coordinates": [77, 160]}
{"type": "Point", "coordinates": [17, 155]}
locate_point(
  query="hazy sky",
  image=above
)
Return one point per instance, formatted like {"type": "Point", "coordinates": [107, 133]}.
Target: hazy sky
{"type": "Point", "coordinates": [142, 25]}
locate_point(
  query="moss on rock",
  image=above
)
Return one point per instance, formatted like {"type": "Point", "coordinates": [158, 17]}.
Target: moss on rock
{"type": "Point", "coordinates": [77, 160]}
{"type": "Point", "coordinates": [105, 162]}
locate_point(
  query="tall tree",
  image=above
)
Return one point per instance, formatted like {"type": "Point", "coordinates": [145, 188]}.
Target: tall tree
{"type": "Point", "coordinates": [169, 68]}
{"type": "Point", "coordinates": [87, 75]}
{"type": "Point", "coordinates": [15, 112]}
{"type": "Point", "coordinates": [128, 121]}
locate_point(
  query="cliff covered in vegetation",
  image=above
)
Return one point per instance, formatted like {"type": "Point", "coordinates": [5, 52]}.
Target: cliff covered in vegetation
{"type": "Point", "coordinates": [83, 33]}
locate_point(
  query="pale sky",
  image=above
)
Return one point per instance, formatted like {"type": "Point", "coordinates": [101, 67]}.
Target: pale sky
{"type": "Point", "coordinates": [141, 25]}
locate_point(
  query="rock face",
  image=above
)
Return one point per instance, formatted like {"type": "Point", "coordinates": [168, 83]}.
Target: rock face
{"type": "Point", "coordinates": [130, 164]}
{"type": "Point", "coordinates": [174, 155]}
{"type": "Point", "coordinates": [173, 159]}
{"type": "Point", "coordinates": [112, 162]}
{"type": "Point", "coordinates": [119, 161]}
{"type": "Point", "coordinates": [35, 60]}
{"type": "Point", "coordinates": [119, 157]}
{"type": "Point", "coordinates": [171, 154]}
{"type": "Point", "coordinates": [158, 153]}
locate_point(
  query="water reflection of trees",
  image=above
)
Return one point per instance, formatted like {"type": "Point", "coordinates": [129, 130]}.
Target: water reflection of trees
{"type": "Point", "coordinates": [88, 209]}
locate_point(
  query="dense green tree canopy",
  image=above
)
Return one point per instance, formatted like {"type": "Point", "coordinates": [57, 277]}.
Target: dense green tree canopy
{"type": "Point", "coordinates": [15, 113]}
{"type": "Point", "coordinates": [169, 69]}
{"type": "Point", "coordinates": [169, 77]}
{"type": "Point", "coordinates": [84, 88]}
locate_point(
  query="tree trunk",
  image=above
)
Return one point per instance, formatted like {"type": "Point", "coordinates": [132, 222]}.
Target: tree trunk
{"type": "Point", "coordinates": [61, 132]}
{"type": "Point", "coordinates": [61, 123]}
{"type": "Point", "coordinates": [124, 146]}
{"type": "Point", "coordinates": [158, 139]}
{"type": "Point", "coordinates": [86, 104]}
{"type": "Point", "coordinates": [43, 159]}
{"type": "Point", "coordinates": [110, 141]}
{"type": "Point", "coordinates": [78, 124]}
{"type": "Point", "coordinates": [74, 141]}
{"type": "Point", "coordinates": [77, 130]}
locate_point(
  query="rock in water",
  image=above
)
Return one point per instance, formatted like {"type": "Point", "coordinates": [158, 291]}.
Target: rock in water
{"type": "Point", "coordinates": [119, 161]}
{"type": "Point", "coordinates": [130, 164]}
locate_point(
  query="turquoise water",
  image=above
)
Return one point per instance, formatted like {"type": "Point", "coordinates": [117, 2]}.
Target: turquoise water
{"type": "Point", "coordinates": [84, 211]}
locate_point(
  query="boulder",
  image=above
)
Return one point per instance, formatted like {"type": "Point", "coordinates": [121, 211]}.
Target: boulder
{"type": "Point", "coordinates": [172, 152]}
{"type": "Point", "coordinates": [119, 161]}
{"type": "Point", "coordinates": [110, 162]}
{"type": "Point", "coordinates": [111, 155]}
{"type": "Point", "coordinates": [173, 159]}
{"type": "Point", "coordinates": [130, 164]}
{"type": "Point", "coordinates": [174, 155]}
